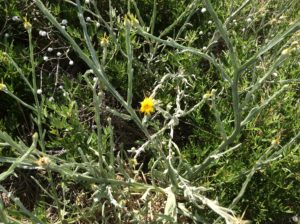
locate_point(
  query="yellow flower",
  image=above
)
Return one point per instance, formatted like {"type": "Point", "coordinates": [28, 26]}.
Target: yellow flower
{"type": "Point", "coordinates": [147, 106]}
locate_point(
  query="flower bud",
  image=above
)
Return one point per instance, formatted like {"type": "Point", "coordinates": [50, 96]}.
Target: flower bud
{"type": "Point", "coordinates": [27, 25]}
{"type": "Point", "coordinates": [286, 51]}
{"type": "Point", "coordinates": [3, 87]}
{"type": "Point", "coordinates": [206, 96]}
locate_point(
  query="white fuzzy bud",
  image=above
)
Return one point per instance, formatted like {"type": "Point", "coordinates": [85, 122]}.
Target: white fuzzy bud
{"type": "Point", "coordinates": [64, 22]}
{"type": "Point", "coordinates": [16, 18]}
{"type": "Point", "coordinates": [42, 33]}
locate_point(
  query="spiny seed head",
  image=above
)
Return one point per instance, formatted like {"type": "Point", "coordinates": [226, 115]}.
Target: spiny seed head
{"type": "Point", "coordinates": [27, 24]}
{"type": "Point", "coordinates": [133, 162]}
{"type": "Point", "coordinates": [80, 199]}
{"type": "Point", "coordinates": [104, 41]}
{"type": "Point", "coordinates": [130, 20]}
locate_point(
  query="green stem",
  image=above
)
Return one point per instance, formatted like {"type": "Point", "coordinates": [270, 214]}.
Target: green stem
{"type": "Point", "coordinates": [20, 101]}
{"type": "Point", "coordinates": [129, 64]}
{"type": "Point", "coordinates": [234, 60]}
{"type": "Point", "coordinates": [219, 121]}
{"type": "Point", "coordinates": [97, 98]}
{"type": "Point", "coordinates": [15, 164]}
{"type": "Point", "coordinates": [34, 85]}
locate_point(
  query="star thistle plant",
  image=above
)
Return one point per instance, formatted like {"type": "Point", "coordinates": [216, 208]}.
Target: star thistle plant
{"type": "Point", "coordinates": [217, 96]}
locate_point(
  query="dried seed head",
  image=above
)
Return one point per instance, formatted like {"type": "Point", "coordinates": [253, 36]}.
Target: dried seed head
{"type": "Point", "coordinates": [43, 162]}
